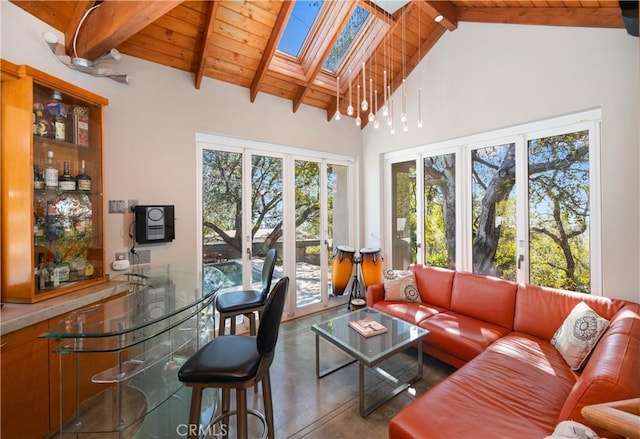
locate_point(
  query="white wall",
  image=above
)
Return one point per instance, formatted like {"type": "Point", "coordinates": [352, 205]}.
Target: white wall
{"type": "Point", "coordinates": [150, 127]}
{"type": "Point", "coordinates": [483, 77]}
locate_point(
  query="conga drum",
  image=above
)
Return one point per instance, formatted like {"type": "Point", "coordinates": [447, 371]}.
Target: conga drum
{"type": "Point", "coordinates": [341, 268]}
{"type": "Point", "coordinates": [371, 266]}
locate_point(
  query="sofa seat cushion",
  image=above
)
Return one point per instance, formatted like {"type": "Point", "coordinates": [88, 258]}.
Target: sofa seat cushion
{"type": "Point", "coordinates": [412, 312]}
{"type": "Point", "coordinates": [514, 389]}
{"type": "Point", "coordinates": [462, 336]}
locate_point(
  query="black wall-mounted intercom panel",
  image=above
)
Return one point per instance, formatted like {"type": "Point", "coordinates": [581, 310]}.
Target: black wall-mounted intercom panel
{"type": "Point", "coordinates": [155, 224]}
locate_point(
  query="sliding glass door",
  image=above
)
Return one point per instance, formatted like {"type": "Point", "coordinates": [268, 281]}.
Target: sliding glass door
{"type": "Point", "coordinates": [254, 199]}
{"type": "Point", "coordinates": [234, 245]}
{"type": "Point", "coordinates": [323, 222]}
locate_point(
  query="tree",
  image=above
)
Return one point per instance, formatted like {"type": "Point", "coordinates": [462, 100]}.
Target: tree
{"type": "Point", "coordinates": [558, 208]}
{"type": "Point", "coordinates": [440, 179]}
{"type": "Point", "coordinates": [222, 197]}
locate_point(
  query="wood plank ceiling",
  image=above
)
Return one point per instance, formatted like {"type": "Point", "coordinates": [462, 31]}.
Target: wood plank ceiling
{"type": "Point", "coordinates": [235, 41]}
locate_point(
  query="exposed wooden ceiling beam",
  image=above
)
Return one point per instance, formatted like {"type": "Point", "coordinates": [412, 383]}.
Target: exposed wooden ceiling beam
{"type": "Point", "coordinates": [79, 9]}
{"type": "Point", "coordinates": [584, 17]}
{"type": "Point", "coordinates": [445, 9]}
{"type": "Point", "coordinates": [270, 49]}
{"type": "Point", "coordinates": [208, 34]}
{"type": "Point", "coordinates": [116, 21]}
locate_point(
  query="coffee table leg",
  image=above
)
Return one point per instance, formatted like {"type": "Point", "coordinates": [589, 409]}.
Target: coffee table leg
{"type": "Point", "coordinates": [366, 411]}
{"type": "Point", "coordinates": [363, 411]}
{"type": "Point", "coordinates": [320, 374]}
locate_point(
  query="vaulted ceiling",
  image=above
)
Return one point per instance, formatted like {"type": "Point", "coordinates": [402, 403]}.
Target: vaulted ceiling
{"type": "Point", "coordinates": [236, 41]}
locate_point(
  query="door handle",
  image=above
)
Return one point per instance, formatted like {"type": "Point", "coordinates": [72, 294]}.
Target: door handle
{"type": "Point", "coordinates": [520, 261]}
{"type": "Point", "coordinates": [249, 252]}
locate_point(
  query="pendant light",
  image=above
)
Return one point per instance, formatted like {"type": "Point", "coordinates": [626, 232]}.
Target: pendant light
{"type": "Point", "coordinates": [365, 104]}
{"type": "Point", "coordinates": [350, 107]}
{"type": "Point", "coordinates": [337, 117]}
{"type": "Point", "coordinates": [358, 120]}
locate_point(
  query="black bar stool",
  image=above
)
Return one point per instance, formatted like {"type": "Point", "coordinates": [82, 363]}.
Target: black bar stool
{"type": "Point", "coordinates": [246, 302]}
{"type": "Point", "coordinates": [237, 362]}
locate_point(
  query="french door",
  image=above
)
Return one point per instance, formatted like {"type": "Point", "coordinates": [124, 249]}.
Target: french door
{"type": "Point", "coordinates": [256, 198]}
{"type": "Point", "coordinates": [523, 207]}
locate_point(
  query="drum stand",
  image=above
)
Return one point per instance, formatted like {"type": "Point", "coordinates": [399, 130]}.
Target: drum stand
{"type": "Point", "coordinates": [355, 293]}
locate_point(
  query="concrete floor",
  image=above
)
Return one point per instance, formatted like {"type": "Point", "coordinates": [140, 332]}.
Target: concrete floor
{"type": "Point", "coordinates": [307, 407]}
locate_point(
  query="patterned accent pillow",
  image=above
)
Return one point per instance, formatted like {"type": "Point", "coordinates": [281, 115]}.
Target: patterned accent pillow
{"type": "Point", "coordinates": [578, 335]}
{"type": "Point", "coordinates": [400, 286]}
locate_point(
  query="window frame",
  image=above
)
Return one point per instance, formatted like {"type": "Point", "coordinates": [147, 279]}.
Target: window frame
{"type": "Point", "coordinates": [520, 134]}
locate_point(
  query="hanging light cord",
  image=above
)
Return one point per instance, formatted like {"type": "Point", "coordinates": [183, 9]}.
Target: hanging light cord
{"type": "Point", "coordinates": [84, 17]}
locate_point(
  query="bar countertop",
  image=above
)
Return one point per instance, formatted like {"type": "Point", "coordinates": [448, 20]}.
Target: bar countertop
{"type": "Point", "coordinates": [15, 316]}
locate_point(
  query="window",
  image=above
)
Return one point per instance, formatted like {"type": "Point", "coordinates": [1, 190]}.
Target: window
{"type": "Point", "coordinates": [440, 210]}
{"type": "Point", "coordinates": [346, 38]}
{"type": "Point", "coordinates": [297, 30]}
{"type": "Point", "coordinates": [559, 211]}
{"type": "Point", "coordinates": [519, 203]}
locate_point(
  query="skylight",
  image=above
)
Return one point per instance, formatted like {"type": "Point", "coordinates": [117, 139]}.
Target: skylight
{"type": "Point", "coordinates": [296, 31]}
{"type": "Point", "coordinates": [346, 38]}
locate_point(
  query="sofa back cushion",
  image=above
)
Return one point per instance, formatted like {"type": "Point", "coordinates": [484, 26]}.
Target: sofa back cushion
{"type": "Point", "coordinates": [540, 310]}
{"type": "Point", "coordinates": [485, 298]}
{"type": "Point", "coordinates": [434, 284]}
{"type": "Point", "coordinates": [611, 373]}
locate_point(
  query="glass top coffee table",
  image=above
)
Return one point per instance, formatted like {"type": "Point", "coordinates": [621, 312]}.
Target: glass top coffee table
{"type": "Point", "coordinates": [370, 351]}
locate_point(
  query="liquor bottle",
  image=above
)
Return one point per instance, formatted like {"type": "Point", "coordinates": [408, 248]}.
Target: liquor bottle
{"type": "Point", "coordinates": [83, 180]}
{"type": "Point", "coordinates": [66, 182]}
{"type": "Point", "coordinates": [48, 274]}
{"type": "Point", "coordinates": [50, 172]}
{"type": "Point", "coordinates": [38, 180]}
{"type": "Point", "coordinates": [54, 274]}
{"type": "Point", "coordinates": [42, 274]}
{"type": "Point", "coordinates": [58, 113]}
{"type": "Point", "coordinates": [52, 221]}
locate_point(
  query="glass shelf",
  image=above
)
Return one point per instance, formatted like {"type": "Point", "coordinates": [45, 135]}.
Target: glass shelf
{"type": "Point", "coordinates": [141, 340]}
{"type": "Point", "coordinates": [130, 368]}
{"type": "Point", "coordinates": [48, 141]}
{"type": "Point", "coordinates": [124, 322]}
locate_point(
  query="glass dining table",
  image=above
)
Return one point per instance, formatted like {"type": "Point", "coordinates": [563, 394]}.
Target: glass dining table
{"type": "Point", "coordinates": [118, 360]}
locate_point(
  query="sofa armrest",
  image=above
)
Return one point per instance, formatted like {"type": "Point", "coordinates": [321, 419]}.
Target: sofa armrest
{"type": "Point", "coordinates": [375, 293]}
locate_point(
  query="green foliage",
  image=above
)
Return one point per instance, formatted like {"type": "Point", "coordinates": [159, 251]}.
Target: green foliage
{"type": "Point", "coordinates": [558, 171]}
{"type": "Point", "coordinates": [307, 187]}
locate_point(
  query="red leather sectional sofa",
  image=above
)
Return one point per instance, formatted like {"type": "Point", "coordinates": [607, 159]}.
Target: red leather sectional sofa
{"type": "Point", "coordinates": [511, 382]}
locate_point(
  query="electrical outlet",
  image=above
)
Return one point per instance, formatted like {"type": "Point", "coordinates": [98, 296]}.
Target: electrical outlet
{"type": "Point", "coordinates": [132, 204]}
{"type": "Point", "coordinates": [120, 256]}
{"type": "Point", "coordinates": [141, 257]}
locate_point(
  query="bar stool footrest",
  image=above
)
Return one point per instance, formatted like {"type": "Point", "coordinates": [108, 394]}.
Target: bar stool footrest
{"type": "Point", "coordinates": [253, 412]}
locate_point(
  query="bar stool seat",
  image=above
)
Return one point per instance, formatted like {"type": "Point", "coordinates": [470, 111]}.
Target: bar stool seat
{"type": "Point", "coordinates": [237, 362]}
{"type": "Point", "coordinates": [246, 302]}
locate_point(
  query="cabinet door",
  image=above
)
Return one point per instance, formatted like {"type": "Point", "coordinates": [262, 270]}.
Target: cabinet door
{"type": "Point", "coordinates": [17, 193]}
{"type": "Point", "coordinates": [24, 363]}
